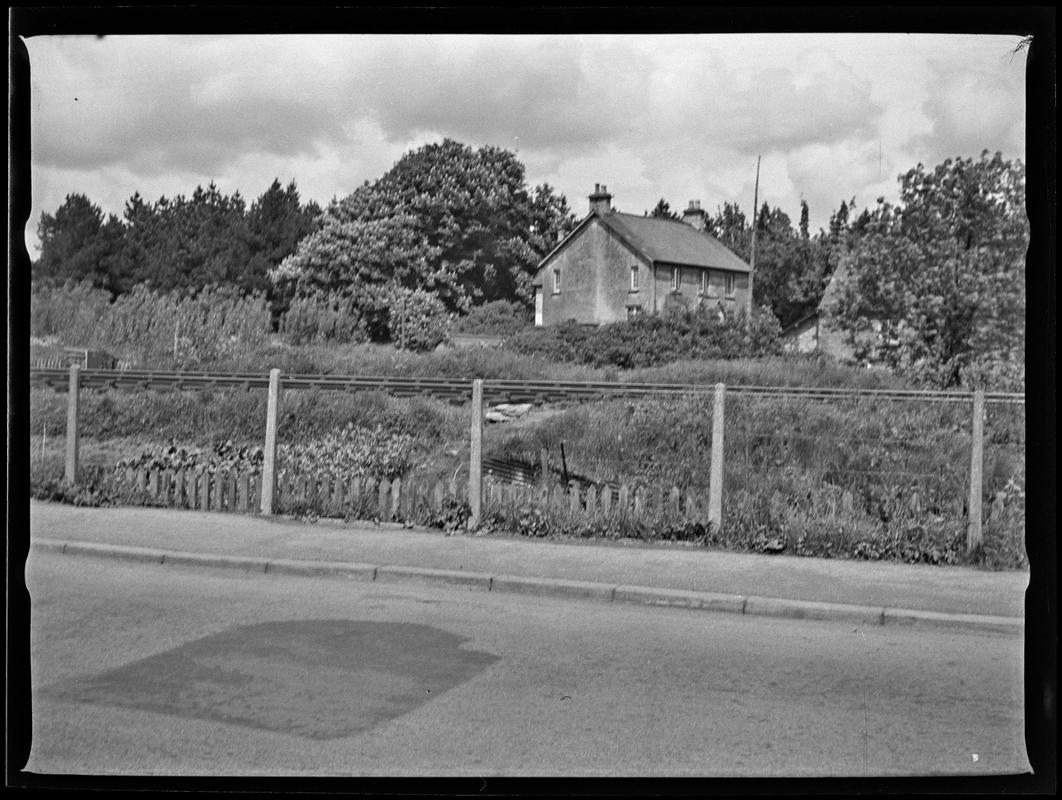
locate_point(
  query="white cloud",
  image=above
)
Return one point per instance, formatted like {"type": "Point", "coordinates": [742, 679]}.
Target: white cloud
{"type": "Point", "coordinates": [973, 109]}
{"type": "Point", "coordinates": [675, 116]}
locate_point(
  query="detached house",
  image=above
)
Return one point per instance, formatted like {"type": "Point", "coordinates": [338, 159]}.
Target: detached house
{"type": "Point", "coordinates": [614, 266]}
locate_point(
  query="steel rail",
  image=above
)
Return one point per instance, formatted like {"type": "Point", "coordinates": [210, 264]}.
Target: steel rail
{"type": "Point", "coordinates": [496, 390]}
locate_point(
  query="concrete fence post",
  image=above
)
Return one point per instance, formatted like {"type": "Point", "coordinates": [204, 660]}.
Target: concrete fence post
{"type": "Point", "coordinates": [977, 444]}
{"type": "Point", "coordinates": [715, 475]}
{"type": "Point", "coordinates": [72, 436]}
{"type": "Point", "coordinates": [475, 466]}
{"type": "Point", "coordinates": [269, 465]}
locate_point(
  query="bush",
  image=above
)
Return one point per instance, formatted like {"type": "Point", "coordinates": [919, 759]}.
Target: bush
{"type": "Point", "coordinates": [69, 313]}
{"type": "Point", "coordinates": [994, 375]}
{"type": "Point", "coordinates": [565, 342]}
{"type": "Point", "coordinates": [496, 318]}
{"type": "Point", "coordinates": [349, 452]}
{"type": "Point", "coordinates": [174, 330]}
{"type": "Point", "coordinates": [331, 317]}
{"type": "Point", "coordinates": [417, 320]}
{"type": "Point", "coordinates": [655, 340]}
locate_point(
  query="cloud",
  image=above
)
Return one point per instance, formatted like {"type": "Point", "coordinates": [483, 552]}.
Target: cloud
{"type": "Point", "coordinates": [973, 107]}
{"type": "Point", "coordinates": [675, 116]}
{"type": "Point", "coordinates": [99, 103]}
{"type": "Point", "coordinates": [813, 169]}
{"type": "Point", "coordinates": [568, 93]}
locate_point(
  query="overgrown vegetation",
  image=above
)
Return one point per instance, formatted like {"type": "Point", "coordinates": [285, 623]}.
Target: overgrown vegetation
{"type": "Point", "coordinates": [652, 341]}
{"type": "Point", "coordinates": [349, 452]}
{"type": "Point", "coordinates": [862, 478]}
{"type": "Point", "coordinates": [496, 318]}
{"type": "Point", "coordinates": [325, 317]}
{"type": "Point", "coordinates": [163, 330]}
{"type": "Point", "coordinates": [208, 417]}
{"type": "Point", "coordinates": [857, 479]}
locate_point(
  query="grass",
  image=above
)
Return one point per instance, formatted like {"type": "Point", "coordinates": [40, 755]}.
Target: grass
{"type": "Point", "coordinates": [499, 363]}
{"type": "Point", "coordinates": [858, 478]}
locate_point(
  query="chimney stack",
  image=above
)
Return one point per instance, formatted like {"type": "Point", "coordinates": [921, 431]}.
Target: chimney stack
{"type": "Point", "coordinates": [694, 215]}
{"type": "Point", "coordinates": [601, 200]}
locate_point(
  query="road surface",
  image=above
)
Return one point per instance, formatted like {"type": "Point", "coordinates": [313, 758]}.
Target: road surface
{"type": "Point", "coordinates": [148, 670]}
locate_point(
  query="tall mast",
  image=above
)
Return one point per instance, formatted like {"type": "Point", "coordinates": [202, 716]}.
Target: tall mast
{"type": "Point", "coordinates": [755, 210]}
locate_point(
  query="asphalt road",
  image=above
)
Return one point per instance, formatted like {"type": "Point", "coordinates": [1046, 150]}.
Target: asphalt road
{"type": "Point", "coordinates": [148, 670]}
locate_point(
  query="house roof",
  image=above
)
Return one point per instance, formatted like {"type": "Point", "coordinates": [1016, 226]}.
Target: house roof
{"type": "Point", "coordinates": [662, 240]}
{"type": "Point", "coordinates": [833, 288]}
{"type": "Point", "coordinates": [674, 242]}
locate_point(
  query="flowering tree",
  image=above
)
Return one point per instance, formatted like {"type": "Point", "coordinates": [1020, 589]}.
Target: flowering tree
{"type": "Point", "coordinates": [456, 222]}
{"type": "Point", "coordinates": [943, 272]}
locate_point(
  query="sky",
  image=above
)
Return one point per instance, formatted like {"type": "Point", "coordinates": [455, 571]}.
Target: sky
{"type": "Point", "coordinates": [676, 116]}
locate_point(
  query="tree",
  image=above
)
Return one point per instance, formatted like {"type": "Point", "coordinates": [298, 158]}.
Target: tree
{"type": "Point", "coordinates": [364, 261]}
{"type": "Point", "coordinates": [839, 221]}
{"type": "Point", "coordinates": [730, 227]}
{"type": "Point", "coordinates": [942, 274]}
{"type": "Point", "coordinates": [791, 268]}
{"type": "Point", "coordinates": [78, 244]}
{"type": "Point", "coordinates": [551, 220]}
{"type": "Point", "coordinates": [276, 223]}
{"type": "Point", "coordinates": [662, 210]}
{"type": "Point", "coordinates": [189, 242]}
{"type": "Point", "coordinates": [454, 221]}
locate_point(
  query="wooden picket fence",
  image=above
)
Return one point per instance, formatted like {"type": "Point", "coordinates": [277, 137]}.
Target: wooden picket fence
{"type": "Point", "coordinates": [410, 499]}
{"type": "Point", "coordinates": [597, 499]}
{"type": "Point", "coordinates": [198, 489]}
{"type": "Point", "coordinates": [229, 491]}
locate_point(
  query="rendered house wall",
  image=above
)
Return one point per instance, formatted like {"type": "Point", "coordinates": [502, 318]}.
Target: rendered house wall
{"type": "Point", "coordinates": [689, 295]}
{"type": "Point", "coordinates": [595, 280]}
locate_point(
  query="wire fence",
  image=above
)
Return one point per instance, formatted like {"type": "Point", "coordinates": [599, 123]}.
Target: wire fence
{"type": "Point", "coordinates": [793, 460]}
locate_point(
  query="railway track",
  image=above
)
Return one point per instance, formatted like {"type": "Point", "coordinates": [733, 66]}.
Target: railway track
{"type": "Point", "coordinates": [459, 390]}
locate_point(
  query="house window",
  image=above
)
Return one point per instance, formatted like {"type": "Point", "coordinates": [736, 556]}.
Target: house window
{"type": "Point", "coordinates": [634, 311]}
{"type": "Point", "coordinates": [704, 282]}
{"type": "Point", "coordinates": [675, 275]}
{"type": "Point", "coordinates": [634, 278]}
{"type": "Point", "coordinates": [729, 284]}
{"type": "Point", "coordinates": [556, 281]}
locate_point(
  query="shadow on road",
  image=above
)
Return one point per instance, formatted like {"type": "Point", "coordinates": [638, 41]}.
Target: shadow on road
{"type": "Point", "coordinates": [320, 679]}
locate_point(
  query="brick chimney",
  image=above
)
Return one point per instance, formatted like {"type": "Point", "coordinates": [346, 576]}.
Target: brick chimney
{"type": "Point", "coordinates": [601, 200]}
{"type": "Point", "coordinates": [694, 215]}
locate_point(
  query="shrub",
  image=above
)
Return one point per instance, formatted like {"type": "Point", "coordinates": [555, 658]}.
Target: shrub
{"type": "Point", "coordinates": [70, 313]}
{"type": "Point", "coordinates": [177, 329]}
{"type": "Point", "coordinates": [655, 340]}
{"type": "Point", "coordinates": [564, 342]}
{"type": "Point", "coordinates": [349, 452]}
{"type": "Point", "coordinates": [331, 317]}
{"type": "Point", "coordinates": [496, 318]}
{"type": "Point", "coordinates": [417, 319]}
{"type": "Point", "coordinates": [994, 374]}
